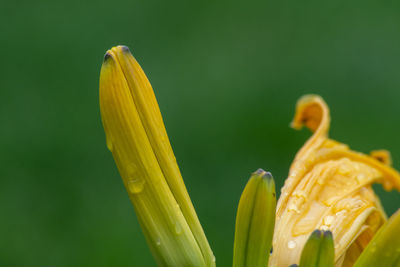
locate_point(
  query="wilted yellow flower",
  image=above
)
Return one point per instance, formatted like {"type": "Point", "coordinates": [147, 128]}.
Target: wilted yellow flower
{"type": "Point", "coordinates": [329, 188]}
{"type": "Point", "coordinates": [137, 138]}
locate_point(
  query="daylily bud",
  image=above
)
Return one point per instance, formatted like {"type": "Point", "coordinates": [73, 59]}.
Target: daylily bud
{"type": "Point", "coordinates": [255, 221]}
{"type": "Point", "coordinates": [318, 250]}
{"type": "Point", "coordinates": [137, 138]}
{"type": "Point", "coordinates": [384, 248]}
{"type": "Point", "coordinates": [329, 188]}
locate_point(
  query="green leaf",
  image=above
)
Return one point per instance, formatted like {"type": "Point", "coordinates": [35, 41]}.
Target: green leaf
{"type": "Point", "coordinates": [384, 248]}
{"type": "Point", "coordinates": [255, 221]}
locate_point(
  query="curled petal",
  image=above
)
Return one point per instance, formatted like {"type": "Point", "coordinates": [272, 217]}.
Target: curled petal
{"type": "Point", "coordinates": [329, 188]}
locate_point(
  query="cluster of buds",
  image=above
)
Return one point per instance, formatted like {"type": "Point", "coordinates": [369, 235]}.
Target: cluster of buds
{"type": "Point", "coordinates": [327, 213]}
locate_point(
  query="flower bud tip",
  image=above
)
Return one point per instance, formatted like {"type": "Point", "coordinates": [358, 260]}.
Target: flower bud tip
{"type": "Point", "coordinates": [124, 48]}
{"type": "Point", "coordinates": [107, 56]}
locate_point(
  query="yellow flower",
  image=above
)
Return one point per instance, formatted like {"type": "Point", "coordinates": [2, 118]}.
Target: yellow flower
{"type": "Point", "coordinates": [137, 138]}
{"type": "Point", "coordinates": [329, 188]}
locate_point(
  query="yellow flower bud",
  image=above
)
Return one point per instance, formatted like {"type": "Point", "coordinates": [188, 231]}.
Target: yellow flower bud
{"type": "Point", "coordinates": [329, 188]}
{"type": "Point", "coordinates": [137, 138]}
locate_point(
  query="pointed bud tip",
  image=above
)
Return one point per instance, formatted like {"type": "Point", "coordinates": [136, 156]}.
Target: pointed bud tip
{"type": "Point", "coordinates": [317, 233]}
{"type": "Point", "coordinates": [268, 175]}
{"type": "Point", "coordinates": [124, 48]}
{"type": "Point", "coordinates": [107, 56]}
{"type": "Point", "coordinates": [258, 172]}
{"type": "Point", "coordinates": [328, 234]}
{"type": "Point", "coordinates": [263, 174]}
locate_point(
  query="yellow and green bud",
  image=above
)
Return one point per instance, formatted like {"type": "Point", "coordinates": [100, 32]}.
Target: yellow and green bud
{"type": "Point", "coordinates": [255, 222]}
{"type": "Point", "coordinates": [137, 138]}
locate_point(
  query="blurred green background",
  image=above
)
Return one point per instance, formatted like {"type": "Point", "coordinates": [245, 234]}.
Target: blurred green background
{"type": "Point", "coordinates": [226, 74]}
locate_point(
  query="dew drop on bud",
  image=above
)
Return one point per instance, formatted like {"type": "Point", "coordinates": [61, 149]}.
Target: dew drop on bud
{"type": "Point", "coordinates": [136, 186]}
{"type": "Point", "coordinates": [178, 228]}
{"type": "Point", "coordinates": [109, 144]}
{"type": "Point", "coordinates": [373, 247]}
{"type": "Point", "coordinates": [291, 244]}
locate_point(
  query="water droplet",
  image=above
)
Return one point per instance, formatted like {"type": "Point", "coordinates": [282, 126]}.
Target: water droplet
{"type": "Point", "coordinates": [360, 178]}
{"type": "Point", "coordinates": [344, 169]}
{"type": "Point", "coordinates": [131, 170]}
{"type": "Point", "coordinates": [341, 213]}
{"type": "Point", "coordinates": [291, 244]}
{"type": "Point", "coordinates": [136, 186]}
{"type": "Point", "coordinates": [373, 247]}
{"type": "Point", "coordinates": [328, 220]}
{"type": "Point", "coordinates": [272, 250]}
{"type": "Point", "coordinates": [293, 207]}
{"type": "Point", "coordinates": [109, 144]}
{"type": "Point", "coordinates": [178, 228]}
{"type": "Point", "coordinates": [158, 242]}
{"type": "Point", "coordinates": [300, 193]}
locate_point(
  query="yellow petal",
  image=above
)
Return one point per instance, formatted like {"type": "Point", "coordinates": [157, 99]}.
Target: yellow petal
{"type": "Point", "coordinates": [137, 138]}
{"type": "Point", "coordinates": [329, 188]}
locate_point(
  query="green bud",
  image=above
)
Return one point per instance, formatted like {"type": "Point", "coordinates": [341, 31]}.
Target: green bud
{"type": "Point", "coordinates": [384, 248]}
{"type": "Point", "coordinates": [255, 221]}
{"type": "Point", "coordinates": [318, 250]}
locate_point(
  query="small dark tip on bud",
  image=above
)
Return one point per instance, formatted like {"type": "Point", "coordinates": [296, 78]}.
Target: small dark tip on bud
{"type": "Point", "coordinates": [294, 265]}
{"type": "Point", "coordinates": [316, 233]}
{"type": "Point", "coordinates": [107, 56]}
{"type": "Point", "coordinates": [267, 175]}
{"type": "Point", "coordinates": [328, 234]}
{"type": "Point", "coordinates": [259, 172]}
{"type": "Point", "coordinates": [262, 173]}
{"type": "Point", "coordinates": [125, 49]}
